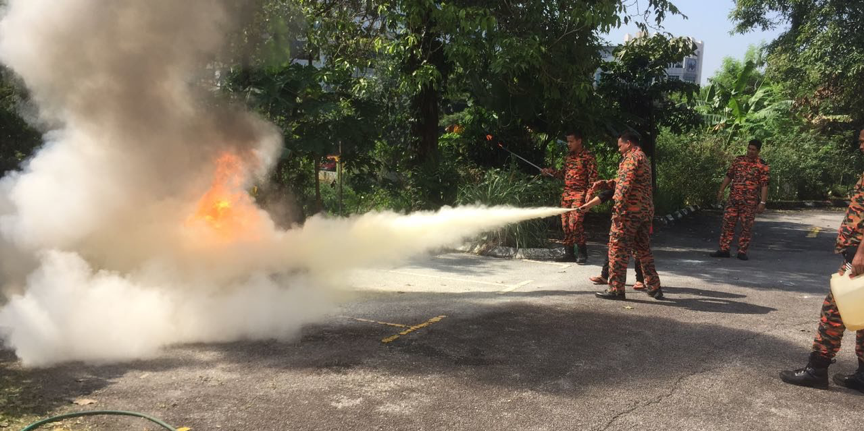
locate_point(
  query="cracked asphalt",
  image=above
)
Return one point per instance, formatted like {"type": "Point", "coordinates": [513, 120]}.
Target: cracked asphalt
{"type": "Point", "coordinates": [521, 345]}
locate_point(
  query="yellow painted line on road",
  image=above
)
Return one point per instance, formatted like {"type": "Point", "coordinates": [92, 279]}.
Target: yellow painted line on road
{"type": "Point", "coordinates": [413, 328]}
{"type": "Point", "coordinates": [561, 265]}
{"type": "Point", "coordinates": [515, 286]}
{"type": "Point", "coordinates": [814, 232]}
{"type": "Point", "coordinates": [398, 325]}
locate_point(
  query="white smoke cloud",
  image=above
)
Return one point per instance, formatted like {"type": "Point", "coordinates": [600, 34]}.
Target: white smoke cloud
{"type": "Point", "coordinates": [106, 253]}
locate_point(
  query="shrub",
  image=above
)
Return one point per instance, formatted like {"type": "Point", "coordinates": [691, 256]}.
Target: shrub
{"type": "Point", "coordinates": [690, 168]}
{"type": "Point", "coordinates": [511, 187]}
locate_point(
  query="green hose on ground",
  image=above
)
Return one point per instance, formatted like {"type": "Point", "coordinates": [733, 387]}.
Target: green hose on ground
{"type": "Point", "coordinates": [35, 425]}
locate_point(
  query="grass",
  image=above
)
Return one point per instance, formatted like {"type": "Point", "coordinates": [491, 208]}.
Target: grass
{"type": "Point", "coordinates": [19, 407]}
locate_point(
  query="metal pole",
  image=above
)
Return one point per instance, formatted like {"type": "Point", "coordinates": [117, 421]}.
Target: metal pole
{"type": "Point", "coordinates": [520, 158]}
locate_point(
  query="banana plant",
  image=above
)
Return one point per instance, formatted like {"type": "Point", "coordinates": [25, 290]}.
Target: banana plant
{"type": "Point", "coordinates": [742, 107]}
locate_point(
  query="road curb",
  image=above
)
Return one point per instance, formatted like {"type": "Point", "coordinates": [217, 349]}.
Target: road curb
{"type": "Point", "coordinates": [512, 252]}
{"type": "Point", "coordinates": [556, 252]}
{"type": "Point", "coordinates": [679, 215]}
{"type": "Point", "coordinates": [827, 203]}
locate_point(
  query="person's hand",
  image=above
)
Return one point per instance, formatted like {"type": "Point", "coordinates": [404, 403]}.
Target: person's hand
{"type": "Point", "coordinates": [761, 208]}
{"type": "Point", "coordinates": [857, 264]}
{"type": "Point", "coordinates": [720, 196]}
{"type": "Point", "coordinates": [546, 171]}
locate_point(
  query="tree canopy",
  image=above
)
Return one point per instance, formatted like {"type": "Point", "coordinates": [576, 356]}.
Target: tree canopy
{"type": "Point", "coordinates": [819, 59]}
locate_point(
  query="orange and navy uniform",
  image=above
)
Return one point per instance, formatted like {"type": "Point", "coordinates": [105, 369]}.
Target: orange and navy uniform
{"type": "Point", "coordinates": [747, 179]}
{"type": "Point", "coordinates": [850, 232]}
{"type": "Point", "coordinates": [831, 327]}
{"type": "Point", "coordinates": [579, 172]}
{"type": "Point", "coordinates": [632, 214]}
{"type": "Point", "coordinates": [605, 189]}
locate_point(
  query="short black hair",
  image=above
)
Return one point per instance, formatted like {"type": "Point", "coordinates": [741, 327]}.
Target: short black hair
{"type": "Point", "coordinates": [630, 137]}
{"type": "Point", "coordinates": [756, 143]}
{"type": "Point", "coordinates": [573, 133]}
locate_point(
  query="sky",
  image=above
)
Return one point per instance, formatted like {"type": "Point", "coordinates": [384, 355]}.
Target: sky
{"type": "Point", "coordinates": [708, 21]}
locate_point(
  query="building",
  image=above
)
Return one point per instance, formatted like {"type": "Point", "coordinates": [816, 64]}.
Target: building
{"type": "Point", "coordinates": [689, 69]}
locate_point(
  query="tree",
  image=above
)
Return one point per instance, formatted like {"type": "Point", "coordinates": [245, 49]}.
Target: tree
{"type": "Point", "coordinates": [524, 68]}
{"type": "Point", "coordinates": [304, 67]}
{"type": "Point", "coordinates": [743, 103]}
{"type": "Point", "coordinates": [18, 139]}
{"type": "Point", "coordinates": [746, 103]}
{"type": "Point", "coordinates": [819, 59]}
{"type": "Point", "coordinates": [640, 95]}
{"type": "Point", "coordinates": [730, 69]}
{"type": "Point", "coordinates": [529, 64]}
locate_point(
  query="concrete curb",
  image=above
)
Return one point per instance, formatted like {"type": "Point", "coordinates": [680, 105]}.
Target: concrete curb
{"type": "Point", "coordinates": [558, 251]}
{"type": "Point", "coordinates": [828, 203]}
{"type": "Point", "coordinates": [512, 252]}
{"type": "Point", "coordinates": [788, 205]}
{"type": "Point", "coordinates": [679, 215]}
{"type": "Point", "coordinates": [667, 220]}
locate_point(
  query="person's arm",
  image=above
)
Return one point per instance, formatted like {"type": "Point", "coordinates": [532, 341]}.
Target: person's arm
{"type": "Point", "coordinates": [764, 200]}
{"type": "Point", "coordinates": [590, 204]}
{"type": "Point", "coordinates": [766, 177]}
{"type": "Point", "coordinates": [601, 198]}
{"type": "Point", "coordinates": [626, 176]}
{"type": "Point", "coordinates": [555, 173]}
{"type": "Point", "coordinates": [601, 185]}
{"type": "Point", "coordinates": [726, 181]}
{"type": "Point", "coordinates": [858, 261]}
{"type": "Point", "coordinates": [592, 169]}
{"type": "Point", "coordinates": [730, 173]}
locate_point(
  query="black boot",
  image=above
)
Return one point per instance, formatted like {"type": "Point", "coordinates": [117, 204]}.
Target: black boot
{"type": "Point", "coordinates": [814, 375]}
{"type": "Point", "coordinates": [854, 380]}
{"type": "Point", "coordinates": [656, 293]}
{"type": "Point", "coordinates": [610, 294]}
{"type": "Point", "coordinates": [720, 253]}
{"type": "Point", "coordinates": [569, 255]}
{"type": "Point", "coordinates": [583, 254]}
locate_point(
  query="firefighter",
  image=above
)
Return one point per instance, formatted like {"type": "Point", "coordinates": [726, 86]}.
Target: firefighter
{"type": "Point", "coordinates": [749, 177]}
{"type": "Point", "coordinates": [603, 191]}
{"type": "Point", "coordinates": [579, 172]}
{"type": "Point", "coordinates": [826, 344]}
{"type": "Point", "coordinates": [632, 214]}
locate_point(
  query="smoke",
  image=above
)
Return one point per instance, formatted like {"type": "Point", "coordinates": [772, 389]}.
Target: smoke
{"type": "Point", "coordinates": [131, 230]}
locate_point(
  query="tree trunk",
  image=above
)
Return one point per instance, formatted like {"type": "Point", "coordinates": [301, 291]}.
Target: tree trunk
{"type": "Point", "coordinates": [426, 103]}
{"type": "Point", "coordinates": [426, 127]}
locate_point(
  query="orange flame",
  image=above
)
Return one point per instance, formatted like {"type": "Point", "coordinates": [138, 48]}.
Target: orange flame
{"type": "Point", "coordinates": [226, 208]}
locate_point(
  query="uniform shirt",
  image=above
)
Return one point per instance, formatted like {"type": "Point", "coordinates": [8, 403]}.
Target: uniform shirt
{"type": "Point", "coordinates": [579, 172]}
{"type": "Point", "coordinates": [851, 229]}
{"type": "Point", "coordinates": [605, 190]}
{"type": "Point", "coordinates": [748, 178]}
{"type": "Point", "coordinates": [633, 195]}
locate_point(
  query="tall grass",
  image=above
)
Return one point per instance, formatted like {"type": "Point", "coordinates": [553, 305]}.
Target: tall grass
{"type": "Point", "coordinates": [514, 188]}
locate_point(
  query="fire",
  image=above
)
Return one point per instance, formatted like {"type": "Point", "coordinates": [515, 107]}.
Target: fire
{"type": "Point", "coordinates": [226, 208]}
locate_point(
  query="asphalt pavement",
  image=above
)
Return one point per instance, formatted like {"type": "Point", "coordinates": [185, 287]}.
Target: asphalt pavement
{"type": "Point", "coordinates": [464, 342]}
